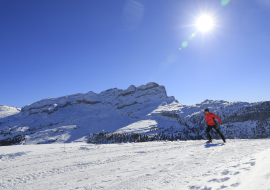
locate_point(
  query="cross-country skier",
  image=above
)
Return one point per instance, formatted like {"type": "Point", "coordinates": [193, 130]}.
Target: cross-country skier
{"type": "Point", "coordinates": [211, 123]}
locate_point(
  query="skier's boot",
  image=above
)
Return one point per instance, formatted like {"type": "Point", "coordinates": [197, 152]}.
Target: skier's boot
{"type": "Point", "coordinates": [210, 141]}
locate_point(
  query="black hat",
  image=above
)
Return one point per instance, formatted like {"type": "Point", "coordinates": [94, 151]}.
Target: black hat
{"type": "Point", "coordinates": [206, 110]}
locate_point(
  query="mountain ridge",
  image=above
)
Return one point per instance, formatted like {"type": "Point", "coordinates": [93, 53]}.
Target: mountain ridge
{"type": "Point", "coordinates": [145, 110]}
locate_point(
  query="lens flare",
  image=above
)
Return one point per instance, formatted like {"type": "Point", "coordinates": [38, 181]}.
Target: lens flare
{"type": "Point", "coordinates": [171, 59]}
{"type": "Point", "coordinates": [224, 2]}
{"type": "Point", "coordinates": [133, 13]}
{"type": "Point", "coordinates": [184, 44]}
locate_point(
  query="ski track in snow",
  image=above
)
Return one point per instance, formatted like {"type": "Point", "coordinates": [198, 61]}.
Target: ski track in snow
{"type": "Point", "coordinates": [239, 164]}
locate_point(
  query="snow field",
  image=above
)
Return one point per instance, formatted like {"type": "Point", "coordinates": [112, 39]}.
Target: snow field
{"type": "Point", "coordinates": [239, 164]}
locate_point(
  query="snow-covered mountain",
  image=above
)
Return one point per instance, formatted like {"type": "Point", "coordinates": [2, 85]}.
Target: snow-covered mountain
{"type": "Point", "coordinates": [6, 111]}
{"type": "Point", "coordinates": [121, 115]}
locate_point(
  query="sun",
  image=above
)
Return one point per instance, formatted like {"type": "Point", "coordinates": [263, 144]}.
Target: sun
{"type": "Point", "coordinates": [205, 23]}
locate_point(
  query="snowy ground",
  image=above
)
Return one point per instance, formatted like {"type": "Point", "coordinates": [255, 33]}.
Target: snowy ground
{"type": "Point", "coordinates": [240, 164]}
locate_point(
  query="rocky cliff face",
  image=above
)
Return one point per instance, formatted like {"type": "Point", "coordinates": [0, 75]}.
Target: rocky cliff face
{"type": "Point", "coordinates": [145, 109]}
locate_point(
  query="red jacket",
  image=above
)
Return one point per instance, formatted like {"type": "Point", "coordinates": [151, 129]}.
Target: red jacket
{"type": "Point", "coordinates": [209, 118]}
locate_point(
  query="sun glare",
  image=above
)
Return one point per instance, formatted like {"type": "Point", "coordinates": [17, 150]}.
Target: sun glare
{"type": "Point", "coordinates": [205, 23]}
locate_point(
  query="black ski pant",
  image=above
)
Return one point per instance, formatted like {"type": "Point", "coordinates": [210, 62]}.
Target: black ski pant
{"type": "Point", "coordinates": [209, 127]}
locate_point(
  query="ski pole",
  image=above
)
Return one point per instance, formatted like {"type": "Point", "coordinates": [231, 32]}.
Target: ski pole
{"type": "Point", "coordinates": [231, 131]}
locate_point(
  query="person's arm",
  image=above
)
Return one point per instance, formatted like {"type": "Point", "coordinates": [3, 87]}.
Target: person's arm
{"type": "Point", "coordinates": [205, 120]}
{"type": "Point", "coordinates": [217, 118]}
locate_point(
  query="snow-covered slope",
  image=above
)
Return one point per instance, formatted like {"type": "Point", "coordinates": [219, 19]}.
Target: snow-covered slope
{"type": "Point", "coordinates": [239, 119]}
{"type": "Point", "coordinates": [182, 165]}
{"type": "Point", "coordinates": [141, 113]}
{"type": "Point", "coordinates": [47, 120]}
{"type": "Point", "coordinates": [6, 111]}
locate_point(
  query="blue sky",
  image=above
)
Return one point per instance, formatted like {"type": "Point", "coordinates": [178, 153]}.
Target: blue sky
{"type": "Point", "coordinates": [54, 48]}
